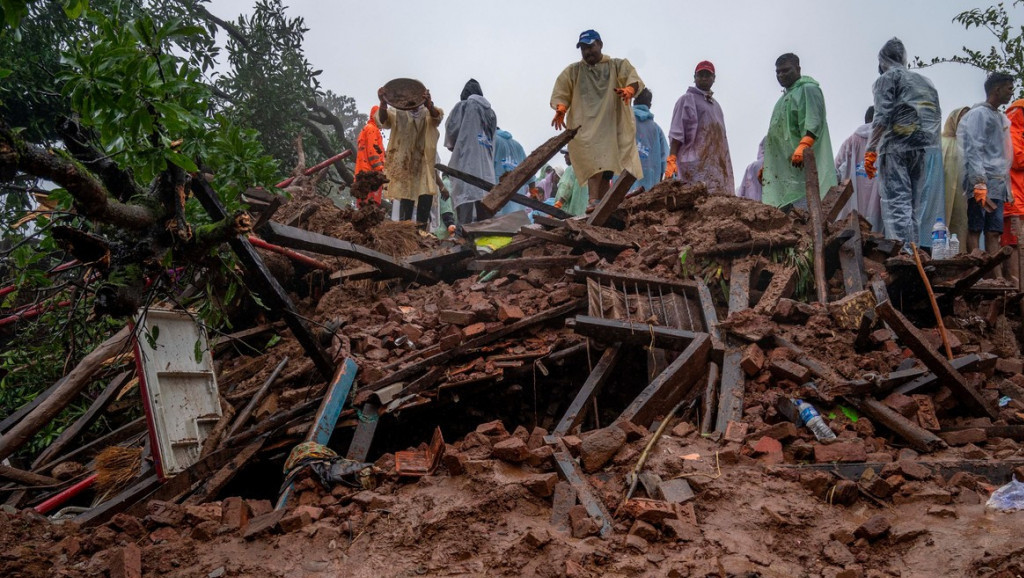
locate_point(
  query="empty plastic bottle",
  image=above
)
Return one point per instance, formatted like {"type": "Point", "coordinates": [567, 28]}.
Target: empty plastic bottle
{"type": "Point", "coordinates": [954, 247]}
{"type": "Point", "coordinates": [939, 236]}
{"type": "Point", "coordinates": [812, 419]}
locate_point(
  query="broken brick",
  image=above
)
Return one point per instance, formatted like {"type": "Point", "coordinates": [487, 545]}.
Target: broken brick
{"type": "Point", "coordinates": [964, 436]}
{"type": "Point", "coordinates": [295, 521]}
{"type": "Point", "coordinates": [753, 360]}
{"type": "Point", "coordinates": [600, 446]}
{"type": "Point", "coordinates": [512, 450]}
{"type": "Point", "coordinates": [541, 485]}
{"type": "Point", "coordinates": [787, 370]}
{"type": "Point", "coordinates": [126, 562]}
{"type": "Point", "coordinates": [902, 404]}
{"type": "Point", "coordinates": [840, 451]}
{"type": "Point", "coordinates": [874, 528]}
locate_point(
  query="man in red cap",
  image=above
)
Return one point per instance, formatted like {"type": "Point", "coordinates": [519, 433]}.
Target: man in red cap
{"type": "Point", "coordinates": [698, 147]}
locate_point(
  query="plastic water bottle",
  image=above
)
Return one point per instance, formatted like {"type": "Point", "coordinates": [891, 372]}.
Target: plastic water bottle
{"type": "Point", "coordinates": [954, 247]}
{"type": "Point", "coordinates": [812, 419]}
{"type": "Point", "coordinates": [939, 235]}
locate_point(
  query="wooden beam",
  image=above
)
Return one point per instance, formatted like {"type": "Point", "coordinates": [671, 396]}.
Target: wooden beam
{"type": "Point", "coordinates": [919, 438]}
{"type": "Point", "coordinates": [551, 236]}
{"type": "Point", "coordinates": [835, 199]}
{"type": "Point", "coordinates": [523, 263]}
{"type": "Point", "coordinates": [116, 437]}
{"type": "Point", "coordinates": [213, 485]}
{"type": "Point", "coordinates": [964, 363]}
{"type": "Point", "coordinates": [731, 391]}
{"type": "Point", "coordinates": [254, 401]}
{"type": "Point", "coordinates": [666, 390]}
{"type": "Point", "coordinates": [739, 286]}
{"type": "Point", "coordinates": [330, 407]}
{"type": "Point", "coordinates": [612, 331]}
{"type": "Point", "coordinates": [369, 417]}
{"type": "Point", "coordinates": [710, 397]}
{"type": "Point", "coordinates": [688, 288]}
{"type": "Point", "coordinates": [968, 280]}
{"type": "Point", "coordinates": [595, 381]}
{"type": "Point", "coordinates": [570, 472]}
{"type": "Point", "coordinates": [516, 197]}
{"type": "Point", "coordinates": [27, 478]}
{"type": "Point", "coordinates": [707, 305]}
{"type": "Point", "coordinates": [949, 376]}
{"type": "Point", "coordinates": [851, 258]}
{"type": "Point", "coordinates": [612, 199]}
{"type": "Point", "coordinates": [9, 421]}
{"type": "Point", "coordinates": [817, 224]}
{"type": "Point", "coordinates": [304, 240]}
{"type": "Point", "coordinates": [519, 176]}
{"type": "Point", "coordinates": [98, 406]}
{"type": "Point", "coordinates": [266, 285]}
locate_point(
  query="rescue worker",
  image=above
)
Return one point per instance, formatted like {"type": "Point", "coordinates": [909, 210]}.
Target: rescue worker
{"type": "Point", "coordinates": [651, 144]}
{"type": "Point", "coordinates": [370, 154]}
{"type": "Point", "coordinates": [469, 134]}
{"type": "Point", "coordinates": [412, 148]}
{"type": "Point", "coordinates": [850, 165]}
{"type": "Point", "coordinates": [572, 195]}
{"type": "Point", "coordinates": [1013, 212]}
{"type": "Point", "coordinates": [699, 148]}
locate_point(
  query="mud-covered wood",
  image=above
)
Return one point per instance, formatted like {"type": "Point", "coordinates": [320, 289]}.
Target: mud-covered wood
{"type": "Point", "coordinates": [666, 390]}
{"type": "Point", "coordinates": [595, 381]}
{"type": "Point", "coordinates": [519, 176]}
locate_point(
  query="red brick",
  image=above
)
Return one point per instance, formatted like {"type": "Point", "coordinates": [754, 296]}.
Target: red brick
{"type": "Point", "coordinates": [265, 524]}
{"type": "Point", "coordinates": [783, 369]}
{"type": "Point", "coordinates": [126, 562]}
{"type": "Point", "coordinates": [509, 312]}
{"type": "Point", "coordinates": [512, 450]}
{"type": "Point", "coordinates": [541, 485]}
{"type": "Point", "coordinates": [753, 360]}
{"type": "Point", "coordinates": [295, 521]}
{"type": "Point", "coordinates": [781, 431]}
{"type": "Point", "coordinates": [902, 404]}
{"type": "Point", "coordinates": [964, 436]}
{"type": "Point", "coordinates": [259, 507]}
{"type": "Point", "coordinates": [840, 451]}
{"type": "Point", "coordinates": [474, 330]}
{"type": "Point", "coordinates": [235, 513]}
{"type": "Point", "coordinates": [313, 511]}
{"type": "Point", "coordinates": [600, 446]}
{"type": "Point", "coordinates": [874, 528]}
{"type": "Point", "coordinates": [1010, 366]}
{"type": "Point", "coordinates": [736, 431]}
{"type": "Point", "coordinates": [456, 317]}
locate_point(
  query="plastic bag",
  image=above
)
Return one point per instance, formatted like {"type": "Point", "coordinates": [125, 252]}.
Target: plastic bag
{"type": "Point", "coordinates": [1008, 498]}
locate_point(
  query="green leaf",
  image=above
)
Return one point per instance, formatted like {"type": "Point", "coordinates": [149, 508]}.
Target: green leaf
{"type": "Point", "coordinates": [273, 341]}
{"type": "Point", "coordinates": [181, 160]}
{"type": "Point", "coordinates": [5, 72]}
{"type": "Point", "coordinates": [198, 350]}
{"type": "Point", "coordinates": [74, 8]}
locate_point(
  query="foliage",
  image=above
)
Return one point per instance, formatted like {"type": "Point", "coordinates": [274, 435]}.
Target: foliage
{"type": "Point", "coordinates": [344, 107]}
{"type": "Point", "coordinates": [1006, 55]}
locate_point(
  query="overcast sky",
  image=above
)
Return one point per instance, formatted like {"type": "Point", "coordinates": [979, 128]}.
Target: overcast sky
{"type": "Point", "coordinates": [517, 49]}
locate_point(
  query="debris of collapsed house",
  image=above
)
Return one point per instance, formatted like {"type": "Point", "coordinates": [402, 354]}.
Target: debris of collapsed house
{"type": "Point", "coordinates": [786, 340]}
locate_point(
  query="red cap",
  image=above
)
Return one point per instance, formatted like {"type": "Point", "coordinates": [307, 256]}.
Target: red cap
{"type": "Point", "coordinates": [705, 65]}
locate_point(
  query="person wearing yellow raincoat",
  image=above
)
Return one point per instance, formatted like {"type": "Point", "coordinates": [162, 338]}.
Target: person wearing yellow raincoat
{"type": "Point", "coordinates": [594, 94]}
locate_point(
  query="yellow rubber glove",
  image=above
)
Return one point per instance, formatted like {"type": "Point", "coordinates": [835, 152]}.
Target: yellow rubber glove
{"type": "Point", "coordinates": [558, 204]}
{"type": "Point", "coordinates": [559, 121]}
{"type": "Point", "coordinates": [670, 167]}
{"type": "Point", "coordinates": [870, 158]}
{"type": "Point", "coordinates": [980, 194]}
{"type": "Point", "coordinates": [626, 94]}
{"type": "Point", "coordinates": [797, 159]}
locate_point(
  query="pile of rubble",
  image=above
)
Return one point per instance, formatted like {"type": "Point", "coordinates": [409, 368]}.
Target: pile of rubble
{"type": "Point", "coordinates": [647, 359]}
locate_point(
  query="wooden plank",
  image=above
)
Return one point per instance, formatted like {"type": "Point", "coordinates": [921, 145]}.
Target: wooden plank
{"type": "Point", "coordinates": [612, 199]}
{"type": "Point", "coordinates": [521, 263]}
{"type": "Point", "coordinates": [332, 403]}
{"type": "Point", "coordinates": [964, 363]}
{"type": "Point", "coordinates": [25, 477]}
{"type": "Point", "coordinates": [835, 199]}
{"type": "Point", "coordinates": [710, 397]}
{"type": "Point", "coordinates": [688, 288]}
{"type": "Point", "coordinates": [295, 238]}
{"type": "Point", "coordinates": [213, 485]}
{"type": "Point", "coordinates": [968, 280]}
{"type": "Point", "coordinates": [851, 258]}
{"type": "Point", "coordinates": [949, 376]}
{"type": "Point", "coordinates": [571, 473]}
{"type": "Point", "coordinates": [550, 222]}
{"type": "Point", "coordinates": [551, 236]}
{"type": "Point", "coordinates": [611, 331]}
{"type": "Point", "coordinates": [781, 286]}
{"type": "Point", "coordinates": [730, 396]}
{"type": "Point", "coordinates": [113, 438]}
{"type": "Point", "coordinates": [519, 176]}
{"type": "Point", "coordinates": [359, 447]}
{"type": "Point", "coordinates": [817, 224]}
{"type": "Point", "coordinates": [919, 438]}
{"type": "Point", "coordinates": [356, 274]}
{"type": "Point", "coordinates": [9, 421]}
{"type": "Point", "coordinates": [595, 381]}
{"type": "Point", "coordinates": [221, 342]}
{"type": "Point", "coordinates": [254, 401]}
{"type": "Point", "coordinates": [739, 286]}
{"type": "Point", "coordinates": [672, 385]}
{"type": "Point", "coordinates": [707, 305]}
{"type": "Point", "coordinates": [119, 503]}
{"type": "Point", "coordinates": [98, 406]}
{"type": "Point", "coordinates": [441, 258]}
{"type": "Point", "coordinates": [266, 285]}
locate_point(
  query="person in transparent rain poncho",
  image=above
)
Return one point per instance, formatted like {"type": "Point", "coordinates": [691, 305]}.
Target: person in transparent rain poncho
{"type": "Point", "coordinates": [906, 148]}
{"type": "Point", "coordinates": [508, 153]}
{"type": "Point", "coordinates": [750, 186]}
{"type": "Point", "coordinates": [469, 134]}
{"type": "Point", "coordinates": [850, 166]}
{"type": "Point", "coordinates": [651, 144]}
{"type": "Point", "coordinates": [983, 137]}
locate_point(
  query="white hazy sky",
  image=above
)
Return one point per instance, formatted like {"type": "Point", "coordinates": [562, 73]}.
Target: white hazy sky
{"type": "Point", "coordinates": [517, 49]}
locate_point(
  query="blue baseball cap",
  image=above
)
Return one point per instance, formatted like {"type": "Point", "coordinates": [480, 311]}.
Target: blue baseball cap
{"type": "Point", "coordinates": [588, 37]}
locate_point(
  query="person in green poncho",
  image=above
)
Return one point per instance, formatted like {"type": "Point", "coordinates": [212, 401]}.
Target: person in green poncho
{"type": "Point", "coordinates": [572, 197]}
{"type": "Point", "coordinates": [798, 123]}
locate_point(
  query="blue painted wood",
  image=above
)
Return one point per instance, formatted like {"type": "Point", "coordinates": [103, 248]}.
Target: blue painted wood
{"type": "Point", "coordinates": [334, 401]}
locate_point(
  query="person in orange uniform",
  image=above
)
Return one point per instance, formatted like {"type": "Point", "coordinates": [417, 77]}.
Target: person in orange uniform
{"type": "Point", "coordinates": [1013, 213]}
{"type": "Point", "coordinates": [370, 153]}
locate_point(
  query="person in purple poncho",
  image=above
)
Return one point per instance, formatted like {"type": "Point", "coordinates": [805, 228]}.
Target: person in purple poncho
{"type": "Point", "coordinates": [699, 149]}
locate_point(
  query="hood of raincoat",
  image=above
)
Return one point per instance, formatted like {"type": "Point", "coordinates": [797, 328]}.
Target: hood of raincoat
{"type": "Point", "coordinates": [863, 131]}
{"type": "Point", "coordinates": [472, 87]}
{"type": "Point", "coordinates": [953, 121]}
{"type": "Point", "coordinates": [803, 80]}
{"type": "Point", "coordinates": [892, 54]}
{"type": "Point", "coordinates": [373, 115]}
{"type": "Point", "coordinates": [1016, 113]}
{"type": "Point", "coordinates": [503, 134]}
{"type": "Point", "coordinates": [642, 112]}
{"type": "Point", "coordinates": [478, 98]}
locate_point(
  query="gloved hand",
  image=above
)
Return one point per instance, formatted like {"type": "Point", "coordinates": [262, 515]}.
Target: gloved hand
{"type": "Point", "coordinates": [670, 167]}
{"type": "Point", "coordinates": [534, 191]}
{"type": "Point", "coordinates": [558, 204]}
{"type": "Point", "coordinates": [626, 94]}
{"type": "Point", "coordinates": [797, 160]}
{"type": "Point", "coordinates": [870, 158]}
{"type": "Point", "coordinates": [760, 176]}
{"type": "Point", "coordinates": [451, 229]}
{"type": "Point", "coordinates": [559, 121]}
{"type": "Point", "coordinates": [980, 194]}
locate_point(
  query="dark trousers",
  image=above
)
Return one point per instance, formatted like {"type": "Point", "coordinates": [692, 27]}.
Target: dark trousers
{"type": "Point", "coordinates": [470, 212]}
{"type": "Point", "coordinates": [422, 209]}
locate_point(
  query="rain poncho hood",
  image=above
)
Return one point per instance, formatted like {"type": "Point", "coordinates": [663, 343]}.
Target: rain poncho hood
{"type": "Point", "coordinates": [1015, 112]}
{"type": "Point", "coordinates": [607, 137]}
{"type": "Point", "coordinates": [956, 203]}
{"type": "Point", "coordinates": [698, 125]}
{"type": "Point", "coordinates": [508, 153]}
{"type": "Point", "coordinates": [412, 148]}
{"type": "Point", "coordinates": [651, 146]}
{"type": "Point", "coordinates": [907, 113]}
{"type": "Point", "coordinates": [469, 134]}
{"type": "Point", "coordinates": [800, 109]}
{"type": "Point", "coordinates": [892, 54]}
{"type": "Point", "coordinates": [472, 87]}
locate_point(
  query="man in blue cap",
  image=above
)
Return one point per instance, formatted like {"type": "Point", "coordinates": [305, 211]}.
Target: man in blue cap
{"type": "Point", "coordinates": [594, 94]}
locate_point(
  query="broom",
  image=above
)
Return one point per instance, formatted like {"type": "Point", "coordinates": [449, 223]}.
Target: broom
{"type": "Point", "coordinates": [116, 468]}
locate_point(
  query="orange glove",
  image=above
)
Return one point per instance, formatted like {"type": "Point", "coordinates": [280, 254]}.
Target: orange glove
{"type": "Point", "coordinates": [870, 158]}
{"type": "Point", "coordinates": [760, 175]}
{"type": "Point", "coordinates": [797, 160]}
{"type": "Point", "coordinates": [981, 194]}
{"type": "Point", "coordinates": [559, 121]}
{"type": "Point", "coordinates": [534, 191]}
{"type": "Point", "coordinates": [451, 229]}
{"type": "Point", "coordinates": [670, 167]}
{"type": "Point", "coordinates": [558, 204]}
{"type": "Point", "coordinates": [626, 94]}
